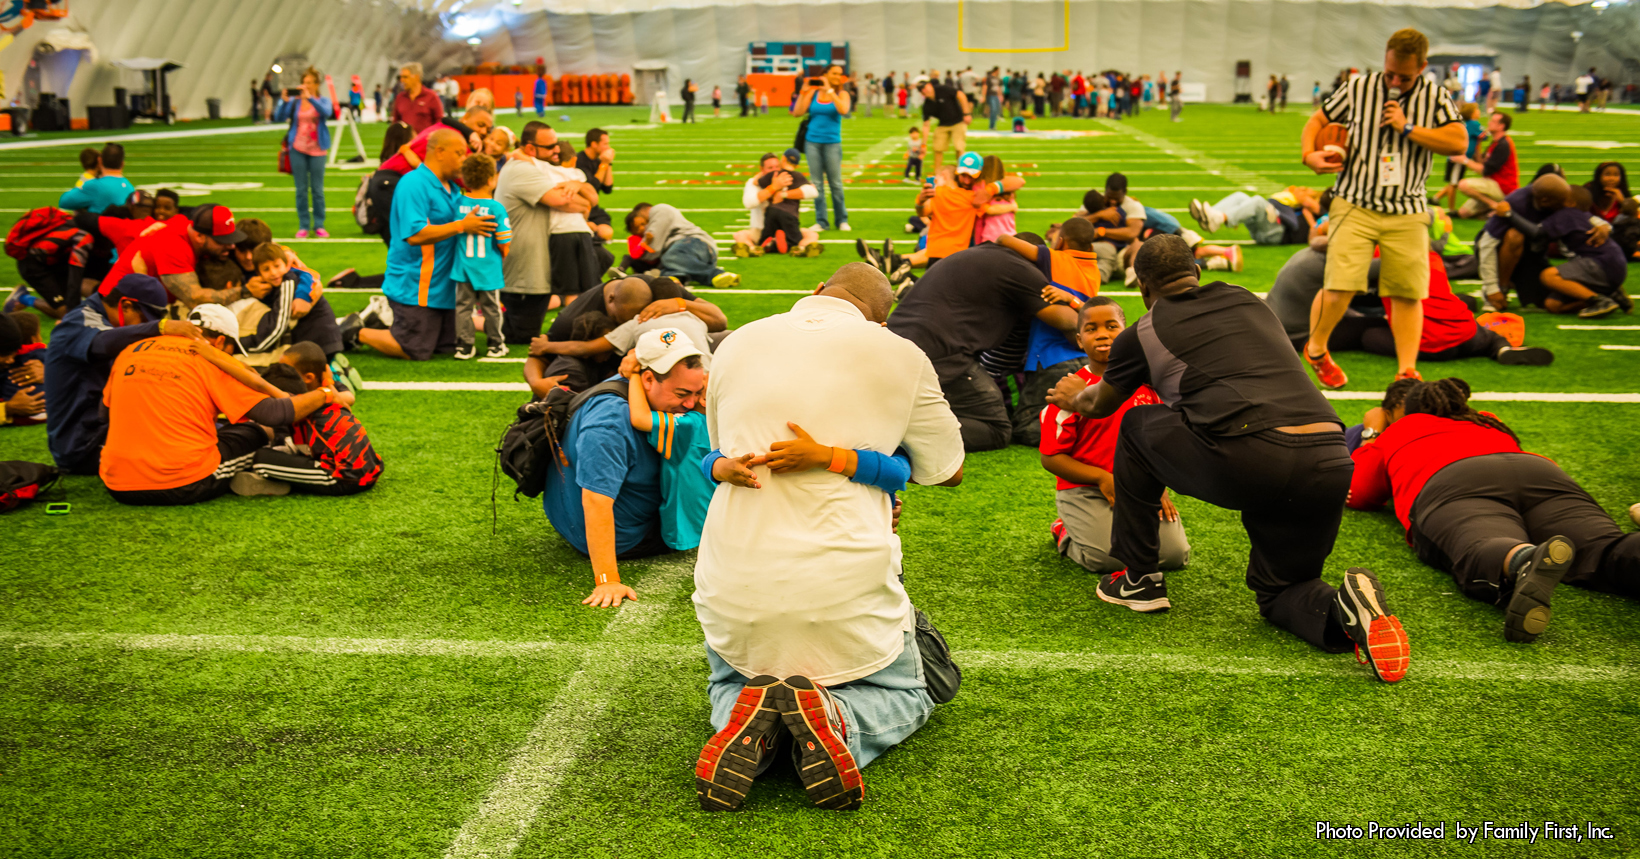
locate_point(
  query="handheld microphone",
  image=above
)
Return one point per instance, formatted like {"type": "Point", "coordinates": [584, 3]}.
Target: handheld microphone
{"type": "Point", "coordinates": [1394, 93]}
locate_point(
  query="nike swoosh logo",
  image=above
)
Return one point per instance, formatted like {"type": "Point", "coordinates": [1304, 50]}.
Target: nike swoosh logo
{"type": "Point", "coordinates": [1349, 616]}
{"type": "Point", "coordinates": [1127, 592]}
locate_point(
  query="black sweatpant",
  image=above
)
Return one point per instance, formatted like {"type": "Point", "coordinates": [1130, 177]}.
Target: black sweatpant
{"type": "Point", "coordinates": [59, 285]}
{"type": "Point", "coordinates": [980, 408]}
{"type": "Point", "coordinates": [1033, 396]}
{"type": "Point", "coordinates": [1371, 334]}
{"type": "Point", "coordinates": [237, 443]}
{"type": "Point", "coordinates": [304, 473]}
{"type": "Point", "coordinates": [1470, 515]}
{"type": "Point", "coordinates": [776, 221]}
{"type": "Point", "coordinates": [522, 316]}
{"type": "Point", "coordinates": [1289, 488]}
{"type": "Point", "coordinates": [318, 326]}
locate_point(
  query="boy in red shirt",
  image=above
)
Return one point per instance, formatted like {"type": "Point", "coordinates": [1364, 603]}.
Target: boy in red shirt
{"type": "Point", "coordinates": [1081, 452]}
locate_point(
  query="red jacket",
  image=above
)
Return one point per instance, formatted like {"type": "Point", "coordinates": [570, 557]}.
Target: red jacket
{"type": "Point", "coordinates": [1447, 320]}
{"type": "Point", "coordinates": [1396, 465]}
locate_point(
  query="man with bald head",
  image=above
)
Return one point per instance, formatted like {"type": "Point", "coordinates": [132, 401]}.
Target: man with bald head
{"type": "Point", "coordinates": [797, 584]}
{"type": "Point", "coordinates": [420, 296]}
{"type": "Point", "coordinates": [626, 299]}
{"type": "Point", "coordinates": [1506, 258]}
{"type": "Point", "coordinates": [621, 300]}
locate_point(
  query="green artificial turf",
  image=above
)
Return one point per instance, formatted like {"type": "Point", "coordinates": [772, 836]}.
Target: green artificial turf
{"type": "Point", "coordinates": [354, 676]}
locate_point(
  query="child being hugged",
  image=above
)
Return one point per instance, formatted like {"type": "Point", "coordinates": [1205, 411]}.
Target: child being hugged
{"type": "Point", "coordinates": [681, 440]}
{"type": "Point", "coordinates": [1081, 452]}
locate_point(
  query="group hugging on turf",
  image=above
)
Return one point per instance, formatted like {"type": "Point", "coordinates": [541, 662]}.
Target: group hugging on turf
{"type": "Point", "coordinates": [778, 449]}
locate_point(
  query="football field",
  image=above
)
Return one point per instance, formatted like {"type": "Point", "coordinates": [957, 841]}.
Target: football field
{"type": "Point", "coordinates": [409, 672]}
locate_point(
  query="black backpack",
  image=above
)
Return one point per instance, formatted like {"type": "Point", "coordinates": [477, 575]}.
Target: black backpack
{"type": "Point", "coordinates": [22, 482]}
{"type": "Point", "coordinates": [534, 442]}
{"type": "Point", "coordinates": [373, 205]}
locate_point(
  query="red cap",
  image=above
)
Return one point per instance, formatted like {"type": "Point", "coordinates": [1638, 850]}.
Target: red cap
{"type": "Point", "coordinates": [217, 222]}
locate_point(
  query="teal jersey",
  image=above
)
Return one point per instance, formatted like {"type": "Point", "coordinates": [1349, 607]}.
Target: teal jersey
{"type": "Point", "coordinates": [686, 491]}
{"type": "Point", "coordinates": [478, 258]}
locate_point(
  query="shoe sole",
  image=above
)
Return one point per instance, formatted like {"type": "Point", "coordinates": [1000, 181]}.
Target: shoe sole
{"type": "Point", "coordinates": [1528, 612]}
{"type": "Point", "coordinates": [1527, 356]}
{"type": "Point", "coordinates": [1387, 648]}
{"type": "Point", "coordinates": [1605, 311]}
{"type": "Point", "coordinates": [1158, 604]}
{"type": "Point", "coordinates": [830, 777]}
{"type": "Point", "coordinates": [724, 773]}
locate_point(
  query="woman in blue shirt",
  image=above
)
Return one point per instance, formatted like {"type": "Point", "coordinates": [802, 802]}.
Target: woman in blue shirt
{"type": "Point", "coordinates": [826, 102]}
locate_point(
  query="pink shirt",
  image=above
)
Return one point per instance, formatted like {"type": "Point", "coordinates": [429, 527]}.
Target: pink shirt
{"type": "Point", "coordinates": [307, 129]}
{"type": "Point", "coordinates": [991, 226]}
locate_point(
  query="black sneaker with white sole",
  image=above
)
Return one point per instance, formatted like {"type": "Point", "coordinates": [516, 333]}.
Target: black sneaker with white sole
{"type": "Point", "coordinates": [868, 254]}
{"type": "Point", "coordinates": [1145, 593]}
{"type": "Point", "coordinates": [1525, 356]}
{"type": "Point", "coordinates": [1597, 307]}
{"type": "Point", "coordinates": [350, 326]}
{"type": "Point", "coordinates": [1377, 634]}
{"type": "Point", "coordinates": [1537, 570]}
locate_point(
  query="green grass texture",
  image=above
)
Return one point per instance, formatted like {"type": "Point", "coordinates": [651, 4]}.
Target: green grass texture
{"type": "Point", "coordinates": [409, 672]}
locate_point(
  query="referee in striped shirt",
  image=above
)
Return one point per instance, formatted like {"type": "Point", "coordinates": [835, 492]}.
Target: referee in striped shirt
{"type": "Point", "coordinates": [1398, 121]}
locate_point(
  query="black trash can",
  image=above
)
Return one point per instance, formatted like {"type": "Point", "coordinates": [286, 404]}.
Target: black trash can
{"type": "Point", "coordinates": [214, 106]}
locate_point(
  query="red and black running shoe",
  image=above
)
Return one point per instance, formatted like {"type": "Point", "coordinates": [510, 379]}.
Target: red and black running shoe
{"type": "Point", "coordinates": [1380, 642]}
{"type": "Point", "coordinates": [826, 765]}
{"type": "Point", "coordinates": [731, 758]}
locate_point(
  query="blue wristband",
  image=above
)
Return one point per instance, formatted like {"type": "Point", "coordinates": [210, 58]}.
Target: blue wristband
{"type": "Point", "coordinates": [706, 464]}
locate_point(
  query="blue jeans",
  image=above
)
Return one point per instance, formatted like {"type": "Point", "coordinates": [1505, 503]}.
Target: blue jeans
{"type": "Point", "coordinates": [309, 173]}
{"type": "Point", "coordinates": [690, 259]}
{"type": "Point", "coordinates": [993, 106]}
{"type": "Point", "coordinates": [1243, 209]}
{"type": "Point", "coordinates": [826, 168]}
{"type": "Point", "coordinates": [880, 709]}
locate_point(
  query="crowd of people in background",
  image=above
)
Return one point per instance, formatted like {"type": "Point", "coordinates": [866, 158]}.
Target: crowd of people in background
{"type": "Point", "coordinates": [167, 316]}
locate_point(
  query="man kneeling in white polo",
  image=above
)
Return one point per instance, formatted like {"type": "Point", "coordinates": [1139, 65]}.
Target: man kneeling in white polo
{"type": "Point", "coordinates": [798, 572]}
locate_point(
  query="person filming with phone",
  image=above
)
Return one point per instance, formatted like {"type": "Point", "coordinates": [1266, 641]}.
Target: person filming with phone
{"type": "Point", "coordinates": [1398, 121]}
{"type": "Point", "coordinates": [825, 100]}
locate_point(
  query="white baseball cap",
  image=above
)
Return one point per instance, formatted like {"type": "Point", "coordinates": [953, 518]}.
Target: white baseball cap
{"type": "Point", "coordinates": [661, 349]}
{"type": "Point", "coordinates": [215, 317]}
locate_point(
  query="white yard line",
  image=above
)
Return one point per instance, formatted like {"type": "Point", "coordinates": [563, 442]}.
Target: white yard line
{"type": "Point", "coordinates": [539, 766]}
{"type": "Point", "coordinates": [1616, 348]}
{"type": "Point", "coordinates": [1599, 327]}
{"type": "Point", "coordinates": [149, 135]}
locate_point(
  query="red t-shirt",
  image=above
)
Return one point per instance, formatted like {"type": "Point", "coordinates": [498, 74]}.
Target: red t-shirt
{"type": "Point", "coordinates": [401, 165]}
{"type": "Point", "coordinates": [1508, 175]}
{"type": "Point", "coordinates": [1087, 440]}
{"type": "Point", "coordinates": [156, 254]}
{"type": "Point", "coordinates": [1448, 321]}
{"type": "Point", "coordinates": [1396, 465]}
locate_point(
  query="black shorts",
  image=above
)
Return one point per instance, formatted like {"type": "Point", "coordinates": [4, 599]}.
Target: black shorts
{"type": "Point", "coordinates": [1587, 272]}
{"type": "Point", "coordinates": [50, 282]}
{"type": "Point", "coordinates": [574, 263]}
{"type": "Point", "coordinates": [777, 220]}
{"type": "Point", "coordinates": [422, 331]}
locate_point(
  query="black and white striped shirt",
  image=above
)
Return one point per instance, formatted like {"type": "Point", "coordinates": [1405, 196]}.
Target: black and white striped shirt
{"type": "Point", "coordinates": [1360, 105]}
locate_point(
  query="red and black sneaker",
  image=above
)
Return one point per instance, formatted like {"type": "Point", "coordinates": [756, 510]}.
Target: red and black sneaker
{"type": "Point", "coordinates": [826, 765]}
{"type": "Point", "coordinates": [1380, 642]}
{"type": "Point", "coordinates": [731, 758]}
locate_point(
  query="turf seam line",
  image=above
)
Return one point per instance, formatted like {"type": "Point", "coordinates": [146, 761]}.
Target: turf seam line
{"type": "Point", "coordinates": [540, 764]}
{"type": "Point", "coordinates": [1245, 179]}
{"type": "Point", "coordinates": [635, 623]}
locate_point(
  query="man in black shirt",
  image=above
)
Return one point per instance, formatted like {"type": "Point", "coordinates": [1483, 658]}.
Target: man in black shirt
{"type": "Point", "coordinates": [1241, 426]}
{"type": "Point", "coordinates": [971, 302]}
{"type": "Point", "coordinates": [620, 300]}
{"type": "Point", "coordinates": [783, 230]}
{"type": "Point", "coordinates": [597, 161]}
{"type": "Point", "coordinates": [949, 105]}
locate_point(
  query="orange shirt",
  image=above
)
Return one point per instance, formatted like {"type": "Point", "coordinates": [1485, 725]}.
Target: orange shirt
{"type": "Point", "coordinates": [951, 215]}
{"type": "Point", "coordinates": [162, 405]}
{"type": "Point", "coordinates": [1078, 270]}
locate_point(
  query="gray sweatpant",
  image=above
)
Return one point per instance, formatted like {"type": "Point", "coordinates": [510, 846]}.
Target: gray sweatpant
{"type": "Point", "coordinates": [488, 300]}
{"type": "Point", "coordinates": [1088, 516]}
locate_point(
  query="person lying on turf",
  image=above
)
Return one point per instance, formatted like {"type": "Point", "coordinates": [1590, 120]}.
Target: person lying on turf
{"type": "Point", "coordinates": [327, 452]}
{"type": "Point", "coordinates": [1081, 453]}
{"type": "Point", "coordinates": [1508, 525]}
{"type": "Point", "coordinates": [1240, 427]}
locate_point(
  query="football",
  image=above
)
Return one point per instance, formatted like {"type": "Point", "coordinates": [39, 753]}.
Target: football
{"type": "Point", "coordinates": [1334, 139]}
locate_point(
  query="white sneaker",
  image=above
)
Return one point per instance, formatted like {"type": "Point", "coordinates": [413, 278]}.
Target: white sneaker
{"type": "Point", "coordinates": [1218, 264]}
{"type": "Point", "coordinates": [499, 350]}
{"type": "Point", "coordinates": [845, 227]}
{"type": "Point", "coordinates": [377, 313]}
{"type": "Point", "coordinates": [1215, 218]}
{"type": "Point", "coordinates": [251, 483]}
{"type": "Point", "coordinates": [1198, 210]}
{"type": "Point", "coordinates": [464, 353]}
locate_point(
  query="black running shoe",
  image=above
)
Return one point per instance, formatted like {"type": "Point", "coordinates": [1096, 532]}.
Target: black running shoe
{"type": "Point", "coordinates": [1146, 593]}
{"type": "Point", "coordinates": [350, 326]}
{"type": "Point", "coordinates": [1537, 570]}
{"type": "Point", "coordinates": [827, 768]}
{"type": "Point", "coordinates": [1376, 632]}
{"type": "Point", "coordinates": [868, 254]}
{"type": "Point", "coordinates": [887, 255]}
{"type": "Point", "coordinates": [1526, 356]}
{"type": "Point", "coordinates": [732, 757]}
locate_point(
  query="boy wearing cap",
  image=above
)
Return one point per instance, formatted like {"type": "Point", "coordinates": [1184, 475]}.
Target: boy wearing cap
{"type": "Point", "coordinates": [172, 254]}
{"type": "Point", "coordinates": [680, 439]}
{"type": "Point", "coordinates": [163, 396]}
{"type": "Point", "coordinates": [83, 346]}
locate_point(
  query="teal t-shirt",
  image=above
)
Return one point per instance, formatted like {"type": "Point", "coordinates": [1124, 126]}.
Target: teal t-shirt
{"type": "Point", "coordinates": [478, 260]}
{"type": "Point", "coordinates": [686, 492]}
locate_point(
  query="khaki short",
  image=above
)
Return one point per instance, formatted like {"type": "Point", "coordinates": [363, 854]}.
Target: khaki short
{"type": "Point", "coordinates": [950, 136]}
{"type": "Point", "coordinates": [1403, 243]}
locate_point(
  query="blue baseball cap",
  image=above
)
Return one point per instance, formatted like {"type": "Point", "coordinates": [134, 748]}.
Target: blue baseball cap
{"type": "Point", "coordinates": [794, 156]}
{"type": "Point", "coordinates": [144, 290]}
{"type": "Point", "coordinates": [970, 163]}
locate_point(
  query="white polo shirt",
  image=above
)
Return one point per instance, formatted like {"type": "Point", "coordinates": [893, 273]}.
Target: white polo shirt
{"type": "Point", "coordinates": [802, 575]}
{"type": "Point", "coordinates": [756, 207]}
